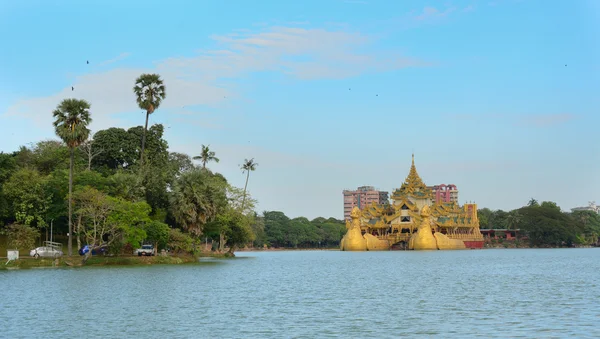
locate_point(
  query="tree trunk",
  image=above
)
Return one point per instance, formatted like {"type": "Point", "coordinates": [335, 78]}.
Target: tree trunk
{"type": "Point", "coordinates": [78, 230]}
{"type": "Point", "coordinates": [221, 242]}
{"type": "Point", "coordinates": [70, 244]}
{"type": "Point", "coordinates": [245, 186]}
{"type": "Point", "coordinates": [144, 138]}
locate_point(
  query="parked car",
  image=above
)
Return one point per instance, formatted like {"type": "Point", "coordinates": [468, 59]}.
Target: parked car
{"type": "Point", "coordinates": [145, 250]}
{"type": "Point", "coordinates": [46, 252]}
{"type": "Point", "coordinates": [96, 250]}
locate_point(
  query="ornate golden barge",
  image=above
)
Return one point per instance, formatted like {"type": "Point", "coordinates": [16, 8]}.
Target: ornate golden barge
{"type": "Point", "coordinates": [413, 221]}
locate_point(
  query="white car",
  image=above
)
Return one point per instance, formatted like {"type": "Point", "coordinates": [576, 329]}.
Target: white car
{"type": "Point", "coordinates": [45, 252]}
{"type": "Point", "coordinates": [145, 250]}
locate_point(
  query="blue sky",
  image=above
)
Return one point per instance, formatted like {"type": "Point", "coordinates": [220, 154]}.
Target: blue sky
{"type": "Point", "coordinates": [498, 97]}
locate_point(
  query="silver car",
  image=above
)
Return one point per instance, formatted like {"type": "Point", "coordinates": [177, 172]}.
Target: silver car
{"type": "Point", "coordinates": [45, 252]}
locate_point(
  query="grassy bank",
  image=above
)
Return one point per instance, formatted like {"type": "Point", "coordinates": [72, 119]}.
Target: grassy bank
{"type": "Point", "coordinates": [77, 261]}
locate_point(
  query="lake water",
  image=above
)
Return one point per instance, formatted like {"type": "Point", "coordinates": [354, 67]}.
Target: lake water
{"type": "Point", "coordinates": [550, 293]}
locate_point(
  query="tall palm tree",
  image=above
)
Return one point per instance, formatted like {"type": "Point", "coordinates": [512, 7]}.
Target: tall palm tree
{"type": "Point", "coordinates": [150, 92]}
{"type": "Point", "coordinates": [247, 166]}
{"type": "Point", "coordinates": [71, 118]}
{"type": "Point", "coordinates": [206, 155]}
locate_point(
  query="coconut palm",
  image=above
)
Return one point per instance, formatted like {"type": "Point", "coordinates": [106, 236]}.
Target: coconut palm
{"type": "Point", "coordinates": [150, 92]}
{"type": "Point", "coordinates": [71, 118]}
{"type": "Point", "coordinates": [206, 155]}
{"type": "Point", "coordinates": [247, 166]}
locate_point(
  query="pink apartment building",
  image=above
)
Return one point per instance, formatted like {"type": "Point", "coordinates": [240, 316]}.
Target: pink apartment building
{"type": "Point", "coordinates": [362, 197]}
{"type": "Point", "coordinates": [444, 193]}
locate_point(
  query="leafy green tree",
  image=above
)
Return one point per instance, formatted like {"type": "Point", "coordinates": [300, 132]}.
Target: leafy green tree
{"type": "Point", "coordinates": [21, 237]}
{"type": "Point", "coordinates": [127, 186]}
{"type": "Point", "coordinates": [206, 156]}
{"type": "Point", "coordinates": [550, 204]}
{"type": "Point", "coordinates": [276, 226]}
{"type": "Point", "coordinates": [26, 190]}
{"type": "Point", "coordinates": [498, 219]}
{"type": "Point", "coordinates": [247, 167]}
{"type": "Point", "coordinates": [24, 157]}
{"type": "Point", "coordinates": [7, 166]}
{"type": "Point", "coordinates": [484, 215]}
{"type": "Point", "coordinates": [197, 198]}
{"type": "Point", "coordinates": [547, 226]}
{"type": "Point", "coordinates": [129, 219]}
{"type": "Point", "coordinates": [235, 227]}
{"type": "Point", "coordinates": [94, 209]}
{"type": "Point", "coordinates": [119, 149]}
{"type": "Point", "coordinates": [150, 92]}
{"type": "Point", "coordinates": [589, 226]}
{"type": "Point", "coordinates": [180, 242]}
{"type": "Point", "coordinates": [179, 163]}
{"type": "Point", "coordinates": [50, 155]}
{"type": "Point", "coordinates": [258, 228]}
{"type": "Point", "coordinates": [57, 189]}
{"type": "Point", "coordinates": [72, 117]}
{"type": "Point", "coordinates": [157, 233]}
{"type": "Point", "coordinates": [513, 220]}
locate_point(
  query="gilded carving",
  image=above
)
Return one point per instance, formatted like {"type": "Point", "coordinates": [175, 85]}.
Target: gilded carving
{"type": "Point", "coordinates": [411, 211]}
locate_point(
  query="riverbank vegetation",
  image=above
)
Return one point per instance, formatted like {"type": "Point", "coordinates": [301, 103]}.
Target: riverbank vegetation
{"type": "Point", "coordinates": [545, 225]}
{"type": "Point", "coordinates": [120, 188]}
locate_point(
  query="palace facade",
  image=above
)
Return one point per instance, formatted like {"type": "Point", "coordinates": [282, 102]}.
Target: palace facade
{"type": "Point", "coordinates": [414, 220]}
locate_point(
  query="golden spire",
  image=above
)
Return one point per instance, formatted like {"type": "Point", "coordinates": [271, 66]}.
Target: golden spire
{"type": "Point", "coordinates": [413, 184]}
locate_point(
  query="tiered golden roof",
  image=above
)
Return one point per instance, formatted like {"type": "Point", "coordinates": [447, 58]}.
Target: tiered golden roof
{"type": "Point", "coordinates": [411, 219]}
{"type": "Point", "coordinates": [413, 185]}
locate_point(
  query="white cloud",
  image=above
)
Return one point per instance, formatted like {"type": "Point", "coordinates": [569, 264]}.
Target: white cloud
{"type": "Point", "coordinates": [198, 80]}
{"type": "Point", "coordinates": [432, 13]}
{"type": "Point", "coordinates": [113, 60]}
{"type": "Point", "coordinates": [546, 120]}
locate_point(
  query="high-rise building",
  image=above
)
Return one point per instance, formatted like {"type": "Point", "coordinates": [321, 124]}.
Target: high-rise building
{"type": "Point", "coordinates": [362, 197]}
{"type": "Point", "coordinates": [444, 193]}
{"type": "Point", "coordinates": [590, 207]}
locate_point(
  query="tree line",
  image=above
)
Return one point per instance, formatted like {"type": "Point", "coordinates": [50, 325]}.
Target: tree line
{"type": "Point", "coordinates": [123, 187]}
{"type": "Point", "coordinates": [544, 224]}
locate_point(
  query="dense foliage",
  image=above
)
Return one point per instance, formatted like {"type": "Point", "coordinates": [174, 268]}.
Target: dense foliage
{"type": "Point", "coordinates": [167, 201]}
{"type": "Point", "coordinates": [545, 225]}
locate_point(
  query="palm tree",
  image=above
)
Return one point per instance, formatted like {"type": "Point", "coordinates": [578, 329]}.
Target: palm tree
{"type": "Point", "coordinates": [532, 203]}
{"type": "Point", "coordinates": [247, 166]}
{"type": "Point", "coordinates": [206, 155]}
{"type": "Point", "coordinates": [150, 92]}
{"type": "Point", "coordinates": [71, 118]}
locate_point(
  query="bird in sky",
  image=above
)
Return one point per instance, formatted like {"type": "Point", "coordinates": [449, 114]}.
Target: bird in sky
{"type": "Point", "coordinates": [88, 62]}
{"type": "Point", "coordinates": [72, 88]}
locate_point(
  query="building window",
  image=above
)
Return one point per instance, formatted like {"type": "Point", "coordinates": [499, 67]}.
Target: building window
{"type": "Point", "coordinates": [404, 207]}
{"type": "Point", "coordinates": [405, 219]}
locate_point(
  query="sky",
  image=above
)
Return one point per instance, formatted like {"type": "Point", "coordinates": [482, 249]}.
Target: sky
{"type": "Point", "coordinates": [501, 97]}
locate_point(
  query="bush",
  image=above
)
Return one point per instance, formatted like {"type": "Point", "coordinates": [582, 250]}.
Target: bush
{"type": "Point", "coordinates": [21, 236]}
{"type": "Point", "coordinates": [179, 242]}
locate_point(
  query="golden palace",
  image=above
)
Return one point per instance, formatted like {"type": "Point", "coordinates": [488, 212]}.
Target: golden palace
{"type": "Point", "coordinates": [413, 221]}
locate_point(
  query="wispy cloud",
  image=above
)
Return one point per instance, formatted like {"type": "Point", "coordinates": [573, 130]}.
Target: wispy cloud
{"type": "Point", "coordinates": [300, 53]}
{"type": "Point", "coordinates": [432, 13]}
{"type": "Point", "coordinates": [546, 120]}
{"type": "Point", "coordinates": [528, 120]}
{"type": "Point", "coordinates": [113, 60]}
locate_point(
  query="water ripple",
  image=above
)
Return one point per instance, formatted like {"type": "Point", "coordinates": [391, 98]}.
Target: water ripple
{"type": "Point", "coordinates": [316, 294]}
